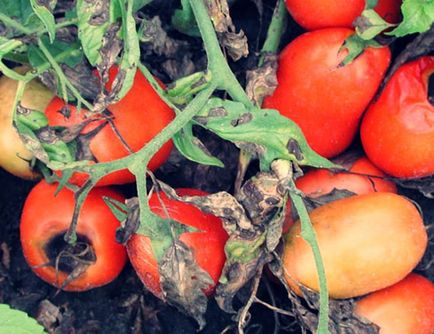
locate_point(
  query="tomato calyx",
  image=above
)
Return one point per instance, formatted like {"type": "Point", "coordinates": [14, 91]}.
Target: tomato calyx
{"type": "Point", "coordinates": [71, 259]}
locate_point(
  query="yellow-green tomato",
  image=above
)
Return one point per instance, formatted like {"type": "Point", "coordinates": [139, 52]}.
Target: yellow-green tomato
{"type": "Point", "coordinates": [367, 242]}
{"type": "Point", "coordinates": [14, 157]}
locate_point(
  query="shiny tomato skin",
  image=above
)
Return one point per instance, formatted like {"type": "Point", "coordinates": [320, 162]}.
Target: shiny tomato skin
{"type": "Point", "coordinates": [46, 216]}
{"type": "Point", "coordinates": [14, 156]}
{"type": "Point", "coordinates": [397, 131]}
{"type": "Point", "coordinates": [138, 117]}
{"type": "Point", "coordinates": [318, 14]}
{"type": "Point", "coordinates": [326, 100]}
{"type": "Point", "coordinates": [208, 244]}
{"type": "Point", "coordinates": [367, 242]}
{"type": "Point", "coordinates": [319, 182]}
{"type": "Point", "coordinates": [406, 307]}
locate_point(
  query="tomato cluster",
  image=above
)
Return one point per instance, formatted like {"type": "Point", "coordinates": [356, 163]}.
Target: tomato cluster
{"type": "Point", "coordinates": [361, 237]}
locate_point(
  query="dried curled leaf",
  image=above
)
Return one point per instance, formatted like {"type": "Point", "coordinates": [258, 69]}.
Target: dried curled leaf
{"type": "Point", "coordinates": [235, 43]}
{"type": "Point", "coordinates": [262, 81]}
{"type": "Point", "coordinates": [342, 319]}
{"type": "Point", "coordinates": [424, 185]}
{"type": "Point", "coordinates": [183, 281]}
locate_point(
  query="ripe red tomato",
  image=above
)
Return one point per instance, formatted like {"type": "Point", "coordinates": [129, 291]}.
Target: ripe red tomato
{"type": "Point", "coordinates": [45, 219]}
{"type": "Point", "coordinates": [367, 242]}
{"type": "Point", "coordinates": [317, 14]}
{"type": "Point", "coordinates": [208, 244]}
{"type": "Point", "coordinates": [398, 129]}
{"type": "Point", "coordinates": [406, 307]}
{"type": "Point", "coordinates": [326, 100]}
{"type": "Point", "coordinates": [319, 182]}
{"type": "Point", "coordinates": [138, 118]}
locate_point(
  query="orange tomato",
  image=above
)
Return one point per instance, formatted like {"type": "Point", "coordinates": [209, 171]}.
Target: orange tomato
{"type": "Point", "coordinates": [367, 242]}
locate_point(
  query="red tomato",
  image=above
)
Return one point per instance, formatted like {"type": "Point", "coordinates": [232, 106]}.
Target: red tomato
{"type": "Point", "coordinates": [398, 129]}
{"type": "Point", "coordinates": [404, 308]}
{"type": "Point", "coordinates": [46, 218]}
{"type": "Point", "coordinates": [317, 14]}
{"type": "Point", "coordinates": [324, 99]}
{"type": "Point", "coordinates": [138, 117]}
{"type": "Point", "coordinates": [208, 244]}
{"type": "Point", "coordinates": [319, 182]}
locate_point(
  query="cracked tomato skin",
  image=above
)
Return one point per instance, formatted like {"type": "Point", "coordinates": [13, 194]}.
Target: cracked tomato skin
{"type": "Point", "coordinates": [318, 14]}
{"type": "Point", "coordinates": [397, 131]}
{"type": "Point", "coordinates": [325, 99]}
{"type": "Point", "coordinates": [361, 242]}
{"type": "Point", "coordinates": [207, 244]}
{"type": "Point", "coordinates": [319, 182]}
{"type": "Point", "coordinates": [406, 307]}
{"type": "Point", "coordinates": [46, 216]}
{"type": "Point", "coordinates": [138, 117]}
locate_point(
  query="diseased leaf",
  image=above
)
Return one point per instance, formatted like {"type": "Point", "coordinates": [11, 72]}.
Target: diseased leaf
{"type": "Point", "coordinates": [370, 24]}
{"type": "Point", "coordinates": [262, 132]}
{"type": "Point", "coordinates": [235, 43]}
{"type": "Point", "coordinates": [17, 322]}
{"type": "Point", "coordinates": [424, 185]}
{"type": "Point", "coordinates": [43, 9]}
{"type": "Point", "coordinates": [262, 81]}
{"type": "Point", "coordinates": [418, 17]}
{"type": "Point", "coordinates": [131, 51]}
{"type": "Point", "coordinates": [192, 148]}
{"type": "Point", "coordinates": [183, 282]}
{"type": "Point", "coordinates": [93, 21]}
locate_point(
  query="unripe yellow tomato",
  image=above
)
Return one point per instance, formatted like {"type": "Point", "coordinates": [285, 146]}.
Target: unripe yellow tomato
{"type": "Point", "coordinates": [14, 157]}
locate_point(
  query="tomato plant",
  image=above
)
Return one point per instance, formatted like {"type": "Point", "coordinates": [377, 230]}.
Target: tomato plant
{"type": "Point", "coordinates": [324, 98]}
{"type": "Point", "coordinates": [361, 241]}
{"type": "Point", "coordinates": [406, 307]}
{"type": "Point", "coordinates": [398, 129]}
{"type": "Point", "coordinates": [207, 243]}
{"type": "Point", "coordinates": [14, 157]}
{"type": "Point", "coordinates": [130, 124]}
{"type": "Point", "coordinates": [94, 260]}
{"type": "Point", "coordinates": [358, 180]}
{"type": "Point", "coordinates": [317, 14]}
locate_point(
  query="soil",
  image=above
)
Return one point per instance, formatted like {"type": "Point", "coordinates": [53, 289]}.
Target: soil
{"type": "Point", "coordinates": [124, 306]}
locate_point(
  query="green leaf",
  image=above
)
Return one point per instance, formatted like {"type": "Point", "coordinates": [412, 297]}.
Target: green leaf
{"type": "Point", "coordinates": [94, 20]}
{"type": "Point", "coordinates": [183, 20]}
{"type": "Point", "coordinates": [17, 322]}
{"type": "Point", "coordinates": [355, 46]}
{"type": "Point", "coordinates": [22, 12]}
{"type": "Point", "coordinates": [261, 132]}
{"type": "Point", "coordinates": [44, 11]}
{"type": "Point", "coordinates": [193, 149]}
{"type": "Point", "coordinates": [131, 52]}
{"type": "Point", "coordinates": [118, 209]}
{"type": "Point", "coordinates": [370, 24]}
{"type": "Point", "coordinates": [418, 17]}
{"type": "Point", "coordinates": [138, 4]}
{"type": "Point", "coordinates": [37, 58]}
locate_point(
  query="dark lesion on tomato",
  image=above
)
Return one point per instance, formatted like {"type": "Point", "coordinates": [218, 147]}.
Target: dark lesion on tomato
{"type": "Point", "coordinates": [72, 259]}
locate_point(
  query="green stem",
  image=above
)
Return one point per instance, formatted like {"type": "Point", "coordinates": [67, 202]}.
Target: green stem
{"type": "Point", "coordinates": [14, 24]}
{"type": "Point", "coordinates": [217, 64]}
{"type": "Point", "coordinates": [308, 234]}
{"type": "Point", "coordinates": [63, 79]}
{"type": "Point", "coordinates": [275, 30]}
{"type": "Point", "coordinates": [59, 25]}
